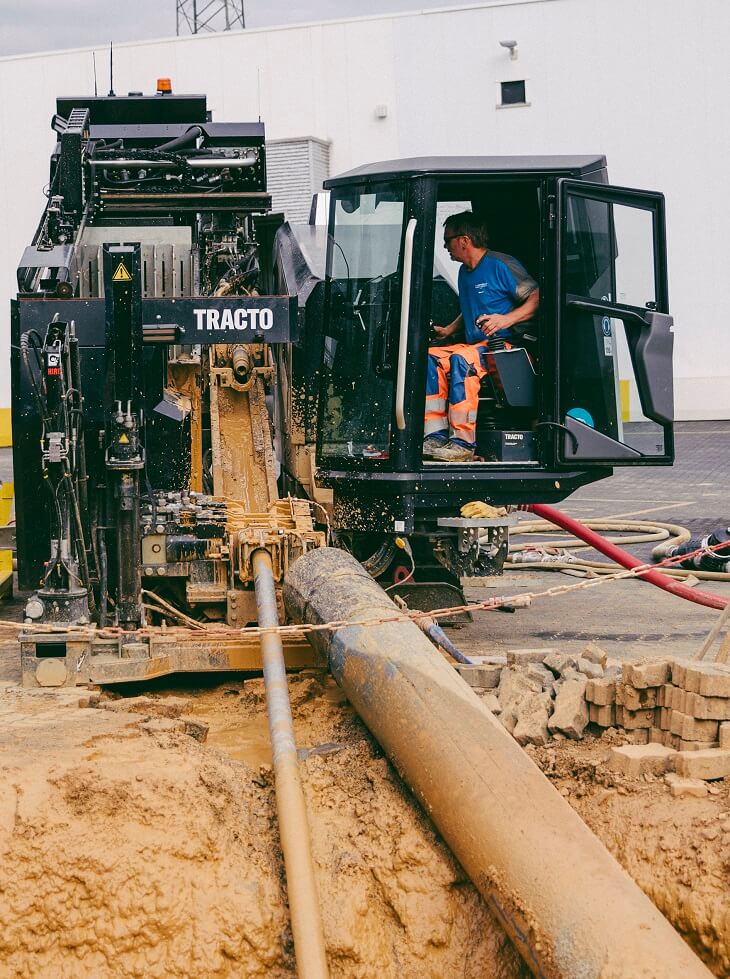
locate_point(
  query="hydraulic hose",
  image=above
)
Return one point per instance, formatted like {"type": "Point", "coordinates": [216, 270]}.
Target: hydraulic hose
{"type": "Point", "coordinates": [435, 632]}
{"type": "Point", "coordinates": [671, 536]}
{"type": "Point", "coordinates": [591, 568]}
{"type": "Point", "coordinates": [103, 579]}
{"type": "Point", "coordinates": [186, 139]}
{"type": "Point", "coordinates": [623, 558]}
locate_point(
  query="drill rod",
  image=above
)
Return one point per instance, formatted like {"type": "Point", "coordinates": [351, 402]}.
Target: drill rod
{"type": "Point", "coordinates": [306, 920]}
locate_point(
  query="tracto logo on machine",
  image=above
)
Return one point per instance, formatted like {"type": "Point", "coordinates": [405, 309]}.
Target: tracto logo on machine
{"type": "Point", "coordinates": [233, 319]}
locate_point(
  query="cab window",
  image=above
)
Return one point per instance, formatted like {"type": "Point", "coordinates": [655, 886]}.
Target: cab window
{"type": "Point", "coordinates": [363, 307]}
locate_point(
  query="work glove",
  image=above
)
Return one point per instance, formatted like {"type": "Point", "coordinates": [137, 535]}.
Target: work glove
{"type": "Point", "coordinates": [477, 509]}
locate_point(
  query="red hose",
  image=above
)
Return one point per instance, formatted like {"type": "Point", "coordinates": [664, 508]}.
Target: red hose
{"type": "Point", "coordinates": [623, 558]}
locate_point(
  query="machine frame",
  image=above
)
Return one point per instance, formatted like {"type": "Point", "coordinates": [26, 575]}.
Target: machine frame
{"type": "Point", "coordinates": [177, 351]}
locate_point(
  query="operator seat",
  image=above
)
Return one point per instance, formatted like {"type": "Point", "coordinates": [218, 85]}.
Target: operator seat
{"type": "Point", "coordinates": [507, 405]}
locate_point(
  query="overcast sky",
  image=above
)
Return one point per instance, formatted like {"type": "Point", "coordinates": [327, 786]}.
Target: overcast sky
{"type": "Point", "coordinates": [47, 25]}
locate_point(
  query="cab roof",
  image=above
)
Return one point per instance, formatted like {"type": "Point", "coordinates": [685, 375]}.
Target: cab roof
{"type": "Point", "coordinates": [457, 165]}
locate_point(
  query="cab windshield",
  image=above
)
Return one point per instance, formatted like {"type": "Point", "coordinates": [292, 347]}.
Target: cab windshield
{"type": "Point", "coordinates": [363, 310]}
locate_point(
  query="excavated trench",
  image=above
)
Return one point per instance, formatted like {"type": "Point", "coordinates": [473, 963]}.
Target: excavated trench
{"type": "Point", "coordinates": [133, 848]}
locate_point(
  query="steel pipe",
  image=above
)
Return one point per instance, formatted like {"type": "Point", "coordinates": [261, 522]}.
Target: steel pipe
{"type": "Point", "coordinates": [568, 906]}
{"type": "Point", "coordinates": [306, 919]}
{"type": "Point", "coordinates": [134, 164]}
{"type": "Point", "coordinates": [215, 162]}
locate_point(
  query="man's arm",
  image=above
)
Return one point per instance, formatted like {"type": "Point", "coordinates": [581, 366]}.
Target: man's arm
{"type": "Point", "coordinates": [442, 332]}
{"type": "Point", "coordinates": [490, 324]}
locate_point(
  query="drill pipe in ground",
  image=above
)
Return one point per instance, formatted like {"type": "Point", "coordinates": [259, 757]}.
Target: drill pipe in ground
{"type": "Point", "coordinates": [306, 919]}
{"type": "Point", "coordinates": [568, 906]}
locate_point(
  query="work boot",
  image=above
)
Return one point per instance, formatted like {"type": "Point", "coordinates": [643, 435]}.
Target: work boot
{"type": "Point", "coordinates": [453, 452]}
{"type": "Point", "coordinates": [430, 444]}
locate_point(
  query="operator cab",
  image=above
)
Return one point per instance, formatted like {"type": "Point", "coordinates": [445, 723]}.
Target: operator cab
{"type": "Point", "coordinates": [591, 391]}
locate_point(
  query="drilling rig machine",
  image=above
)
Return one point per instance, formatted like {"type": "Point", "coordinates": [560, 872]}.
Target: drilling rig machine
{"type": "Point", "coordinates": [196, 380]}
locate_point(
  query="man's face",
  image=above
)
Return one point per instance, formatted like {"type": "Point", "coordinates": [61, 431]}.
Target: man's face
{"type": "Point", "coordinates": [455, 245]}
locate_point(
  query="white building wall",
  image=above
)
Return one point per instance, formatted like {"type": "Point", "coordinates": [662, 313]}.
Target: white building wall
{"type": "Point", "coordinates": [643, 82]}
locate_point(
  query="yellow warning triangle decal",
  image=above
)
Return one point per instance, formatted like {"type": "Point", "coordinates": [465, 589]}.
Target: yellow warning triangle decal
{"type": "Point", "coordinates": [121, 274]}
{"type": "Point", "coordinates": [123, 440]}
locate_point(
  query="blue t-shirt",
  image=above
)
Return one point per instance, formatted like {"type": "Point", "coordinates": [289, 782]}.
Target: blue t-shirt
{"type": "Point", "coordinates": [497, 284]}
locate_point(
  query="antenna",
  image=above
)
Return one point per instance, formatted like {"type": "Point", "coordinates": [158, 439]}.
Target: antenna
{"type": "Point", "coordinates": [93, 57]}
{"type": "Point", "coordinates": [258, 80]}
{"type": "Point", "coordinates": [111, 68]}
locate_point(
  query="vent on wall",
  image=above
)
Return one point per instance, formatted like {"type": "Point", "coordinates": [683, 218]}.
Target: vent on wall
{"type": "Point", "coordinates": [513, 93]}
{"type": "Point", "coordinates": [295, 169]}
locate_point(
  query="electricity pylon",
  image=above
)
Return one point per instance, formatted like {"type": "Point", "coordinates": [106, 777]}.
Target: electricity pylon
{"type": "Point", "coordinates": [199, 16]}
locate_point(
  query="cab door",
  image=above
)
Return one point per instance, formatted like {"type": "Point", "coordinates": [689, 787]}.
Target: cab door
{"type": "Point", "coordinates": [614, 380]}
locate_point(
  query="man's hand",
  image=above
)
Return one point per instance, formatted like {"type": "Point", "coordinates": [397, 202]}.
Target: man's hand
{"type": "Point", "coordinates": [444, 332]}
{"type": "Point", "coordinates": [489, 325]}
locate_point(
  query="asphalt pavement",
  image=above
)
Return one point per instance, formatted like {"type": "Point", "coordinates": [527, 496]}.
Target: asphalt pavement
{"type": "Point", "coordinates": [627, 618]}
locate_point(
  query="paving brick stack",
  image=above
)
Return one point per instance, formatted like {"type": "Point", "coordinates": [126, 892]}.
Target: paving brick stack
{"type": "Point", "coordinates": [693, 706]}
{"type": "Point", "coordinates": [682, 706]}
{"type": "Point", "coordinates": [680, 710]}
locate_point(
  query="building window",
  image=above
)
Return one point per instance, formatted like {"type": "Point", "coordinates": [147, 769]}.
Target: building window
{"type": "Point", "coordinates": [513, 93]}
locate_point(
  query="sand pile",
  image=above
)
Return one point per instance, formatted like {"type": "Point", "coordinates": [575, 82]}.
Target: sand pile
{"type": "Point", "coordinates": [132, 849]}
{"type": "Point", "coordinates": [128, 850]}
{"type": "Point", "coordinates": [677, 850]}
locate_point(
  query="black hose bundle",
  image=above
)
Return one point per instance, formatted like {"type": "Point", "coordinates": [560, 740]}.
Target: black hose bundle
{"type": "Point", "coordinates": [718, 560]}
{"type": "Point", "coordinates": [68, 487]}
